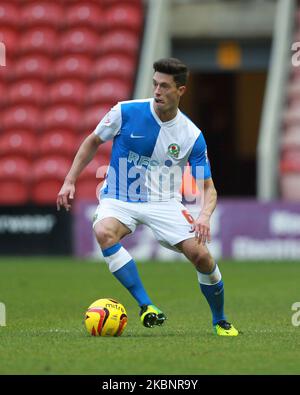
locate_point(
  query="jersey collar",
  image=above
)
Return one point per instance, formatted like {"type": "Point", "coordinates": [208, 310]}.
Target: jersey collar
{"type": "Point", "coordinates": [158, 120]}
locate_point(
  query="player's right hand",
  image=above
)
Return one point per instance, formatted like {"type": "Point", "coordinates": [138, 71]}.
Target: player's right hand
{"type": "Point", "coordinates": [64, 196]}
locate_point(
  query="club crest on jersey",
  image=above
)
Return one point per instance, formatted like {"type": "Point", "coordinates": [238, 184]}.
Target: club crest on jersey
{"type": "Point", "coordinates": [173, 150]}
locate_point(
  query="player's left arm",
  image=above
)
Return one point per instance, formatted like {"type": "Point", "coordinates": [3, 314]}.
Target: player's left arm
{"type": "Point", "coordinates": [201, 172]}
{"type": "Point", "coordinates": [202, 223]}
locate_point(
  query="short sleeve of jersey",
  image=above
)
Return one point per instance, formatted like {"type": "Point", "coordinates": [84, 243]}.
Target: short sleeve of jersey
{"type": "Point", "coordinates": [110, 124]}
{"type": "Point", "coordinates": [198, 159]}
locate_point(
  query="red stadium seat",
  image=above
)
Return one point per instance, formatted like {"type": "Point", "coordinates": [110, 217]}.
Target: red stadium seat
{"type": "Point", "coordinates": [86, 189]}
{"type": "Point", "coordinates": [290, 139]}
{"type": "Point", "coordinates": [80, 40]}
{"type": "Point", "coordinates": [91, 179]}
{"type": "Point", "coordinates": [58, 142]}
{"type": "Point", "coordinates": [21, 143]}
{"type": "Point", "coordinates": [27, 92]}
{"type": "Point", "coordinates": [290, 175]}
{"type": "Point", "coordinates": [39, 40]}
{"type": "Point", "coordinates": [9, 14]}
{"type": "Point", "coordinates": [85, 14]}
{"type": "Point", "coordinates": [5, 72]}
{"type": "Point", "coordinates": [125, 16]}
{"type": "Point", "coordinates": [290, 161]}
{"type": "Point", "coordinates": [48, 174]}
{"type": "Point", "coordinates": [120, 41]}
{"type": "Point", "coordinates": [65, 117]}
{"type": "Point", "coordinates": [9, 37]}
{"type": "Point", "coordinates": [14, 181]}
{"type": "Point", "coordinates": [73, 66]}
{"type": "Point", "coordinates": [108, 91]}
{"type": "Point", "coordinates": [291, 116]}
{"type": "Point", "coordinates": [290, 186]}
{"type": "Point", "coordinates": [297, 14]}
{"type": "Point", "coordinates": [67, 91]}
{"type": "Point", "coordinates": [92, 116]}
{"type": "Point", "coordinates": [42, 14]}
{"type": "Point", "coordinates": [22, 117]}
{"type": "Point", "coordinates": [68, 3]}
{"type": "Point", "coordinates": [114, 65]}
{"type": "Point", "coordinates": [294, 89]}
{"type": "Point", "coordinates": [35, 65]}
{"type": "Point", "coordinates": [136, 3]}
{"type": "Point", "coordinates": [3, 91]}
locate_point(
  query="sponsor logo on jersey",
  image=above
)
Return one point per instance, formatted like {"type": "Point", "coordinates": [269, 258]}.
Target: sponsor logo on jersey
{"type": "Point", "coordinates": [141, 160]}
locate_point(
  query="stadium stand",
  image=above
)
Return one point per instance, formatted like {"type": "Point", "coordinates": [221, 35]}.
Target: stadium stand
{"type": "Point", "coordinates": [17, 143]}
{"type": "Point", "coordinates": [67, 91]}
{"type": "Point", "coordinates": [73, 66]}
{"type": "Point", "coordinates": [42, 14]}
{"type": "Point", "coordinates": [10, 37]}
{"type": "Point", "coordinates": [79, 40]}
{"type": "Point", "coordinates": [62, 116]}
{"type": "Point", "coordinates": [124, 16]}
{"type": "Point", "coordinates": [114, 65]}
{"type": "Point", "coordinates": [16, 117]}
{"type": "Point", "coordinates": [14, 180]}
{"type": "Point", "coordinates": [108, 91]}
{"type": "Point", "coordinates": [27, 91]}
{"type": "Point", "coordinates": [70, 62]}
{"type": "Point", "coordinates": [85, 14]}
{"type": "Point", "coordinates": [92, 177]}
{"type": "Point", "coordinates": [48, 174]}
{"type": "Point", "coordinates": [32, 66]}
{"type": "Point", "coordinates": [120, 41]}
{"type": "Point", "coordinates": [91, 116]}
{"type": "Point", "coordinates": [42, 40]}
{"type": "Point", "coordinates": [9, 14]}
{"type": "Point", "coordinates": [57, 142]}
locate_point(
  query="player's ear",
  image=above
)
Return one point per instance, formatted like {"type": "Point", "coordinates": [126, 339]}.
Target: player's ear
{"type": "Point", "coordinates": [181, 90]}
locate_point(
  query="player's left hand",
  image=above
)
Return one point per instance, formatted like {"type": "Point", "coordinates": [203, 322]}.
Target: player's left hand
{"type": "Point", "coordinates": [202, 229]}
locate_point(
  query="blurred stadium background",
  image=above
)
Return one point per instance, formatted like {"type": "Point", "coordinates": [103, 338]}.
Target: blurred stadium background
{"type": "Point", "coordinates": [63, 65]}
{"type": "Point", "coordinates": [68, 62]}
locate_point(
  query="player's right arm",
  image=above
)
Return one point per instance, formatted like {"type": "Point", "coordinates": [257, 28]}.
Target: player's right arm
{"type": "Point", "coordinates": [106, 130]}
{"type": "Point", "coordinates": [84, 155]}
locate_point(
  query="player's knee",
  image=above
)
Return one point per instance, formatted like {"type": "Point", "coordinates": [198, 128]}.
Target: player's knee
{"type": "Point", "coordinates": [105, 236]}
{"type": "Point", "coordinates": [203, 262]}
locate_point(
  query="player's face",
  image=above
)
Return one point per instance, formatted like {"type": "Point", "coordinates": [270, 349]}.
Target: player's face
{"type": "Point", "coordinates": [166, 92]}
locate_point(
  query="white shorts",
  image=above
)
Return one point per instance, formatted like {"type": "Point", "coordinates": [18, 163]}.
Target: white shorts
{"type": "Point", "coordinates": [170, 221]}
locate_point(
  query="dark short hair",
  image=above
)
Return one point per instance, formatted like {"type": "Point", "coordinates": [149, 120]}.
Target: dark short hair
{"type": "Point", "coordinates": [174, 67]}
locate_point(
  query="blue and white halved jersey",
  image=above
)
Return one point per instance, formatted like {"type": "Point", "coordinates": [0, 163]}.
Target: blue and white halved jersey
{"type": "Point", "coordinates": [149, 156]}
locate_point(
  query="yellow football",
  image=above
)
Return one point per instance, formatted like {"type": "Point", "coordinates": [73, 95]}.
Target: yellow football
{"type": "Point", "coordinates": [106, 317]}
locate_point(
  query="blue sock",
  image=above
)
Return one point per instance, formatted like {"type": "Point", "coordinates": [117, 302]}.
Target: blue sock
{"type": "Point", "coordinates": [214, 295]}
{"type": "Point", "coordinates": [129, 277]}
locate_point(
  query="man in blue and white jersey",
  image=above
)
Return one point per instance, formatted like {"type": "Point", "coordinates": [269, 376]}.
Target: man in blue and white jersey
{"type": "Point", "coordinates": [153, 141]}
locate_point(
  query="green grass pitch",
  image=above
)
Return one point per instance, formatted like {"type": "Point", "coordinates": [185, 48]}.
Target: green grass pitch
{"type": "Point", "coordinates": [46, 299]}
